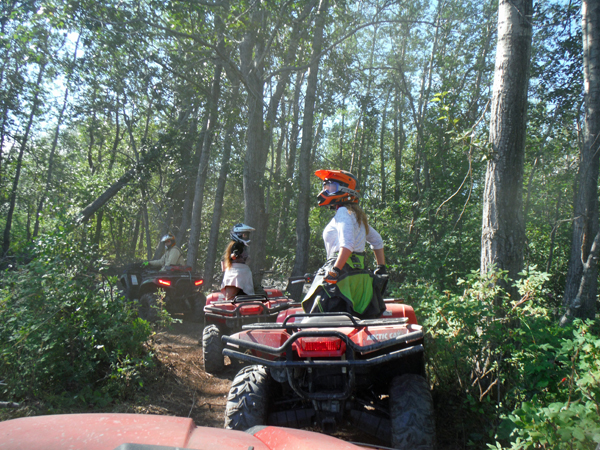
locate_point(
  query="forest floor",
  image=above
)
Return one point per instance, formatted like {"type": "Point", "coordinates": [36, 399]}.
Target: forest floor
{"type": "Point", "coordinates": [181, 387]}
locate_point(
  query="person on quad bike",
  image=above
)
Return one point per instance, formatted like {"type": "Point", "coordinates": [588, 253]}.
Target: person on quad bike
{"type": "Point", "coordinates": [237, 276]}
{"type": "Point", "coordinates": [172, 256]}
{"type": "Point", "coordinates": [342, 284]}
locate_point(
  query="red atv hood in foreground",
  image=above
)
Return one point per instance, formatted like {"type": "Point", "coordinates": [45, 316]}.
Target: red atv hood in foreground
{"type": "Point", "coordinates": [109, 431]}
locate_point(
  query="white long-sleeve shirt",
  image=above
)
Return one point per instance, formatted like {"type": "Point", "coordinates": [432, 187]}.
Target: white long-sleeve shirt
{"type": "Point", "coordinates": [344, 231]}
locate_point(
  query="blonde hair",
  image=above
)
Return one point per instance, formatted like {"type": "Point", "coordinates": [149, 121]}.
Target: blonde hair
{"type": "Point", "coordinates": [227, 256]}
{"type": "Point", "coordinates": [361, 217]}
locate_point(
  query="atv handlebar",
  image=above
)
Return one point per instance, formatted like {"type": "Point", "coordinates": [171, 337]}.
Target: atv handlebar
{"type": "Point", "coordinates": [306, 278]}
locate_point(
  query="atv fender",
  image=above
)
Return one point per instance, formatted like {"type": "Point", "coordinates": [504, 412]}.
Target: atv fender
{"type": "Point", "coordinates": [288, 312]}
{"type": "Point", "coordinates": [400, 310]}
{"type": "Point", "coordinates": [214, 298]}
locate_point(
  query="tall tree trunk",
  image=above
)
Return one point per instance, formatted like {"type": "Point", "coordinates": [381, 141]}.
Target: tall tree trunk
{"type": "Point", "coordinates": [136, 232]}
{"type": "Point", "coordinates": [304, 168]}
{"type": "Point", "coordinates": [553, 233]}
{"type": "Point", "coordinates": [252, 67]}
{"type": "Point", "coordinates": [196, 223]}
{"type": "Point", "coordinates": [213, 240]}
{"type": "Point", "coordinates": [382, 152]}
{"type": "Point", "coordinates": [183, 189]}
{"type": "Point", "coordinates": [54, 144]}
{"type": "Point", "coordinates": [503, 233]}
{"type": "Point", "coordinates": [22, 144]}
{"type": "Point", "coordinates": [146, 220]}
{"type": "Point", "coordinates": [284, 216]}
{"type": "Point", "coordinates": [582, 276]}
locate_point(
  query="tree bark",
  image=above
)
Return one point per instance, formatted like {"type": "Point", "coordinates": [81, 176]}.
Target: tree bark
{"type": "Point", "coordinates": [136, 232]}
{"type": "Point", "coordinates": [196, 223]}
{"type": "Point", "coordinates": [399, 138]}
{"type": "Point", "coordinates": [252, 67]}
{"type": "Point", "coordinates": [304, 168]}
{"type": "Point", "coordinates": [284, 216]}
{"type": "Point", "coordinates": [582, 276]}
{"type": "Point", "coordinates": [213, 240]}
{"type": "Point", "coordinates": [382, 152]}
{"type": "Point", "coordinates": [503, 232]}
{"type": "Point", "coordinates": [22, 145]}
{"type": "Point", "coordinates": [53, 148]}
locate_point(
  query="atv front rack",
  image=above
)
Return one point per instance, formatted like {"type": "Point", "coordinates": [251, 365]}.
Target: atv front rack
{"type": "Point", "coordinates": [324, 329]}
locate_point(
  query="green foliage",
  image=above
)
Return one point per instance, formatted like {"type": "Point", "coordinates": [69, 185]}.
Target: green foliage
{"type": "Point", "coordinates": [520, 380]}
{"type": "Point", "coordinates": [567, 411]}
{"type": "Point", "coordinates": [67, 334]}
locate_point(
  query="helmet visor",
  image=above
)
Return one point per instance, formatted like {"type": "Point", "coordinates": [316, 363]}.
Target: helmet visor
{"type": "Point", "coordinates": [330, 187]}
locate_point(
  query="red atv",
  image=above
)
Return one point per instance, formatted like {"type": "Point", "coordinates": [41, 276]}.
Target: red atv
{"type": "Point", "coordinates": [332, 369]}
{"type": "Point", "coordinates": [225, 317]}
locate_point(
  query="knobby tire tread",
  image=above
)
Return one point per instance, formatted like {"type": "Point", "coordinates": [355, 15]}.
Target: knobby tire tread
{"type": "Point", "coordinates": [248, 399]}
{"type": "Point", "coordinates": [411, 413]}
{"type": "Point", "coordinates": [212, 350]}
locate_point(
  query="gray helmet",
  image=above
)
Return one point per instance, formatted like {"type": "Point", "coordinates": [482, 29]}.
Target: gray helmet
{"type": "Point", "coordinates": [238, 231]}
{"type": "Point", "coordinates": [168, 237]}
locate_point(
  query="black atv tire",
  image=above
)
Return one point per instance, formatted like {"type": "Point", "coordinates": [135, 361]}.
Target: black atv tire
{"type": "Point", "coordinates": [147, 307]}
{"type": "Point", "coordinates": [411, 413]}
{"type": "Point", "coordinates": [196, 313]}
{"type": "Point", "coordinates": [248, 399]}
{"type": "Point", "coordinates": [212, 350]}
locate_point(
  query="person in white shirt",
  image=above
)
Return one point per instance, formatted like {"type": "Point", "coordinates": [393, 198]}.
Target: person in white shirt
{"type": "Point", "coordinates": [237, 276]}
{"type": "Point", "coordinates": [343, 284]}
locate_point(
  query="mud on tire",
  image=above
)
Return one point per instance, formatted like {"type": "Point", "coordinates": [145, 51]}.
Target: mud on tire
{"type": "Point", "coordinates": [212, 350]}
{"type": "Point", "coordinates": [411, 413]}
{"type": "Point", "coordinates": [248, 399]}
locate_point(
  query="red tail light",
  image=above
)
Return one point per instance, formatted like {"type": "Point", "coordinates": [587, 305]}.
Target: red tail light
{"type": "Point", "coordinates": [251, 309]}
{"type": "Point", "coordinates": [321, 344]}
{"type": "Point", "coordinates": [164, 282]}
{"type": "Point", "coordinates": [198, 282]}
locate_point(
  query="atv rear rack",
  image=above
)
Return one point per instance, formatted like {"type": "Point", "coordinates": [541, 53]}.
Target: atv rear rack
{"type": "Point", "coordinates": [325, 320]}
{"type": "Point", "coordinates": [213, 311]}
{"type": "Point", "coordinates": [348, 366]}
{"type": "Point", "coordinates": [351, 349]}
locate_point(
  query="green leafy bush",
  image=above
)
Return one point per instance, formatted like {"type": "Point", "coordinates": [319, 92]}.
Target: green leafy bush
{"type": "Point", "coordinates": [513, 377]}
{"type": "Point", "coordinates": [565, 412]}
{"type": "Point", "coordinates": [66, 333]}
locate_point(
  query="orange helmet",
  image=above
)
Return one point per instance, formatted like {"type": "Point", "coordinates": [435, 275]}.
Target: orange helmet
{"type": "Point", "coordinates": [339, 187]}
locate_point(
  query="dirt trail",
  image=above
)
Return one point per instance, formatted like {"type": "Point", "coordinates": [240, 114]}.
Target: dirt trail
{"type": "Point", "coordinates": [181, 386]}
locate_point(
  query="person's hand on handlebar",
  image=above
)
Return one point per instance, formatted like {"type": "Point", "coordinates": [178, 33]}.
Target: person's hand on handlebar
{"type": "Point", "coordinates": [380, 270]}
{"type": "Point", "coordinates": [333, 275]}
